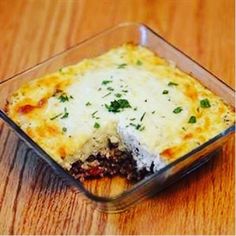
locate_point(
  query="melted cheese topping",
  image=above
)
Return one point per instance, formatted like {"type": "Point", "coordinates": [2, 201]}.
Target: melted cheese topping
{"type": "Point", "coordinates": [157, 112]}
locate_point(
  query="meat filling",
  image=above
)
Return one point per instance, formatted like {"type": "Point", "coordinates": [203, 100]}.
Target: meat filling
{"type": "Point", "coordinates": [112, 163]}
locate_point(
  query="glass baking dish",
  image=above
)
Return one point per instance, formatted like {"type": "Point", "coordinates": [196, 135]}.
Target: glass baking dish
{"type": "Point", "coordinates": [124, 195]}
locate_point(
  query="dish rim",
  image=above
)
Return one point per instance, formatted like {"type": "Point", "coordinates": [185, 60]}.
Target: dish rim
{"type": "Point", "coordinates": [61, 171]}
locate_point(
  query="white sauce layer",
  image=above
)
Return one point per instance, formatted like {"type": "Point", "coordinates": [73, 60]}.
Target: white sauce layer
{"type": "Point", "coordinates": [151, 110]}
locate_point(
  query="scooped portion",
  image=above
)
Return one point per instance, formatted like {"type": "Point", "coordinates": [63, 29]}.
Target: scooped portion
{"type": "Point", "coordinates": [127, 112]}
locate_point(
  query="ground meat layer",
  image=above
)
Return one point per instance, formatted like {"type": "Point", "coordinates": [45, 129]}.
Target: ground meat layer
{"type": "Point", "coordinates": [114, 162]}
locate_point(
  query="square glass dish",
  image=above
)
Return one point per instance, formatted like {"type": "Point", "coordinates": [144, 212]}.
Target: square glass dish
{"type": "Point", "coordinates": [122, 195]}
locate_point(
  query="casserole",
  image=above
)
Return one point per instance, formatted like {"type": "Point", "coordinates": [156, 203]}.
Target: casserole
{"type": "Point", "coordinates": [137, 34]}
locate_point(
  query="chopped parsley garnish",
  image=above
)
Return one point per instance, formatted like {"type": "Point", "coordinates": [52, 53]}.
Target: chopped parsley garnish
{"type": "Point", "coordinates": [106, 94]}
{"type": "Point", "coordinates": [64, 129]}
{"type": "Point", "coordinates": [192, 120]}
{"type": "Point", "coordinates": [88, 104]}
{"type": "Point", "coordinates": [142, 128]}
{"type": "Point", "coordinates": [118, 105]}
{"type": "Point", "coordinates": [104, 82]}
{"type": "Point", "coordinates": [142, 116]}
{"type": "Point", "coordinates": [118, 95]}
{"type": "Point", "coordinates": [63, 115]}
{"type": "Point", "coordinates": [178, 110]}
{"type": "Point", "coordinates": [132, 119]}
{"type": "Point", "coordinates": [138, 126]}
{"type": "Point", "coordinates": [205, 103]}
{"type": "Point", "coordinates": [172, 84]}
{"type": "Point", "coordinates": [165, 92]}
{"type": "Point", "coordinates": [139, 63]}
{"type": "Point", "coordinates": [61, 71]}
{"type": "Point", "coordinates": [96, 125]}
{"type": "Point", "coordinates": [135, 109]}
{"type": "Point", "coordinates": [93, 114]}
{"type": "Point", "coordinates": [110, 89]}
{"type": "Point", "coordinates": [66, 114]}
{"type": "Point", "coordinates": [56, 116]}
{"type": "Point", "coordinates": [145, 100]}
{"type": "Point", "coordinates": [153, 112]}
{"type": "Point", "coordinates": [64, 97]}
{"type": "Point", "coordinates": [125, 91]}
{"type": "Point", "coordinates": [99, 89]}
{"type": "Point", "coordinates": [121, 66]}
{"type": "Point", "coordinates": [132, 124]}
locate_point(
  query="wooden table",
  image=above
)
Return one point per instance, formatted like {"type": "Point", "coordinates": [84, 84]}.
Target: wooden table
{"type": "Point", "coordinates": [33, 199]}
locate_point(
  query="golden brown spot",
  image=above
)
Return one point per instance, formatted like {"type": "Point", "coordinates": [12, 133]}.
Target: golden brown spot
{"type": "Point", "coordinates": [198, 129]}
{"type": "Point", "coordinates": [28, 107]}
{"type": "Point", "coordinates": [201, 138]}
{"type": "Point", "coordinates": [173, 152]}
{"type": "Point", "coordinates": [25, 108]}
{"type": "Point", "coordinates": [188, 136]}
{"type": "Point", "coordinates": [53, 130]}
{"type": "Point", "coordinates": [42, 102]}
{"type": "Point", "coordinates": [62, 152]}
{"type": "Point", "coordinates": [29, 131]}
{"type": "Point", "coordinates": [221, 109]}
{"type": "Point", "coordinates": [168, 152]}
{"type": "Point", "coordinates": [47, 130]}
{"type": "Point", "coordinates": [207, 123]}
{"type": "Point", "coordinates": [191, 92]}
{"type": "Point", "coordinates": [48, 81]}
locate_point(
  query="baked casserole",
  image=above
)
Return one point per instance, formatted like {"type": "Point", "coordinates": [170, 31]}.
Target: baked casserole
{"type": "Point", "coordinates": [127, 112]}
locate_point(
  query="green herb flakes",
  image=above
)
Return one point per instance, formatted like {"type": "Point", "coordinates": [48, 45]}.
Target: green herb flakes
{"type": "Point", "coordinates": [165, 92]}
{"type": "Point", "coordinates": [110, 89]}
{"type": "Point", "coordinates": [177, 110]}
{"type": "Point", "coordinates": [139, 63]}
{"type": "Point", "coordinates": [192, 120]}
{"type": "Point", "coordinates": [121, 66]}
{"type": "Point", "coordinates": [96, 125]}
{"type": "Point", "coordinates": [64, 97]}
{"type": "Point", "coordinates": [105, 82]}
{"type": "Point", "coordinates": [172, 84]}
{"type": "Point", "coordinates": [141, 119]}
{"type": "Point", "coordinates": [88, 104]}
{"type": "Point", "coordinates": [142, 128]}
{"type": "Point", "coordinates": [93, 114]}
{"type": "Point", "coordinates": [118, 105]}
{"type": "Point", "coordinates": [106, 94]}
{"type": "Point", "coordinates": [61, 71]}
{"type": "Point", "coordinates": [137, 126]}
{"type": "Point", "coordinates": [63, 115]}
{"type": "Point", "coordinates": [56, 116]}
{"type": "Point", "coordinates": [64, 129]}
{"type": "Point", "coordinates": [66, 114]}
{"type": "Point", "coordinates": [205, 103]}
{"type": "Point", "coordinates": [118, 95]}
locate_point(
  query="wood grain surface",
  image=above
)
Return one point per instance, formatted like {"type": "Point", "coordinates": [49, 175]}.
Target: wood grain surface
{"type": "Point", "coordinates": [33, 200]}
